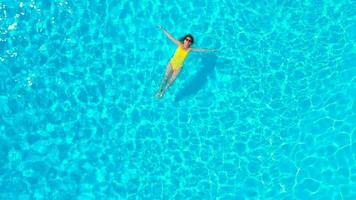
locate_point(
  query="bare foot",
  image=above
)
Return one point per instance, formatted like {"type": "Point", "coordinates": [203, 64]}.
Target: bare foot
{"type": "Point", "coordinates": [159, 94]}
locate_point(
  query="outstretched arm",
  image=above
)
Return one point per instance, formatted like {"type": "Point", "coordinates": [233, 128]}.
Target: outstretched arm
{"type": "Point", "coordinates": [202, 50]}
{"type": "Point", "coordinates": [169, 35]}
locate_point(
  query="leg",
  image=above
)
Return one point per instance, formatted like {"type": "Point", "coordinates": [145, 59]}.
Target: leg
{"type": "Point", "coordinates": [168, 73]}
{"type": "Point", "coordinates": [170, 82]}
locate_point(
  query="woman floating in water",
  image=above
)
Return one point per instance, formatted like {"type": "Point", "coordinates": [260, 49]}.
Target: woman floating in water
{"type": "Point", "coordinates": [175, 64]}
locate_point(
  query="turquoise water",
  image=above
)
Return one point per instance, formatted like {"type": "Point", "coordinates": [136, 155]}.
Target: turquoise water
{"type": "Point", "coordinates": [271, 115]}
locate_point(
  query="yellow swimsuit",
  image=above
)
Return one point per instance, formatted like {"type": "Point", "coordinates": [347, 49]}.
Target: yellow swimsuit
{"type": "Point", "coordinates": [178, 58]}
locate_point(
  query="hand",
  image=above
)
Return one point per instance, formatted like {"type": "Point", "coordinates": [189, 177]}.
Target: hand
{"type": "Point", "coordinates": [160, 27]}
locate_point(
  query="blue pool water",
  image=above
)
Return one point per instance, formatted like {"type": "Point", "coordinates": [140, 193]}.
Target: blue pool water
{"type": "Point", "coordinates": [271, 115]}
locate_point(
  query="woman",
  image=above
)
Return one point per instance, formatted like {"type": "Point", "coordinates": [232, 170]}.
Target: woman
{"type": "Point", "coordinates": [175, 64]}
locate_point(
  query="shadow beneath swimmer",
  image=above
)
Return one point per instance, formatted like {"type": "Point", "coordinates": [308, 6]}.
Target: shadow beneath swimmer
{"type": "Point", "coordinates": [201, 77]}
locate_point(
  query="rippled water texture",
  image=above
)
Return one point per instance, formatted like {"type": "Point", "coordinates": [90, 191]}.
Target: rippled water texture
{"type": "Point", "coordinates": [271, 115]}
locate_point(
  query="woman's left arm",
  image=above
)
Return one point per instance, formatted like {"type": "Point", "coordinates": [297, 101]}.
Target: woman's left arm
{"type": "Point", "coordinates": [202, 50]}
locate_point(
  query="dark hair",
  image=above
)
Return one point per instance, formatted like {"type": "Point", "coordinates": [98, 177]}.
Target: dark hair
{"type": "Point", "coordinates": [188, 35]}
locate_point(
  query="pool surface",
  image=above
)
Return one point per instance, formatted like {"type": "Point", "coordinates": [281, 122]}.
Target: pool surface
{"type": "Point", "coordinates": [271, 115]}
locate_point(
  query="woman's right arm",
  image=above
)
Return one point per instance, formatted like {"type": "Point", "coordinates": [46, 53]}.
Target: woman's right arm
{"type": "Point", "coordinates": [169, 35]}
